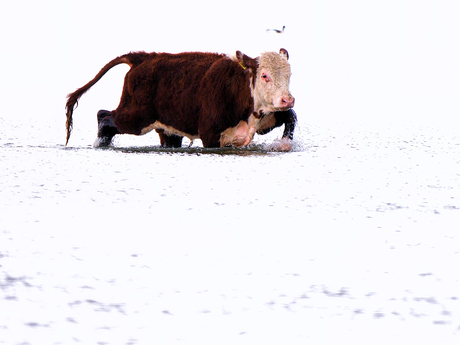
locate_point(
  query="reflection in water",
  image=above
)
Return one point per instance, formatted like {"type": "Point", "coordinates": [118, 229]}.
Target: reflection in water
{"type": "Point", "coordinates": [255, 150]}
{"type": "Point", "coordinates": [251, 150]}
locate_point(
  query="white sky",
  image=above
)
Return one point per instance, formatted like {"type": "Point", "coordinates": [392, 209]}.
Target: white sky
{"type": "Point", "coordinates": [362, 60]}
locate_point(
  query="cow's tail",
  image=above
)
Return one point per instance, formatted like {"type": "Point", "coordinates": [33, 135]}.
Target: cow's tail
{"type": "Point", "coordinates": [72, 99]}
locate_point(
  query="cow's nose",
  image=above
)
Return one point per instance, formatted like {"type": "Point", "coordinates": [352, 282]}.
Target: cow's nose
{"type": "Point", "coordinates": [288, 102]}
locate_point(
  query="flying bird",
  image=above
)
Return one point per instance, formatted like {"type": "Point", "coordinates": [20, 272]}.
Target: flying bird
{"type": "Point", "coordinates": [276, 30]}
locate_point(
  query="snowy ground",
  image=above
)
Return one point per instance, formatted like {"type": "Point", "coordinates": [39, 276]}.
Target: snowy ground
{"type": "Point", "coordinates": [351, 238]}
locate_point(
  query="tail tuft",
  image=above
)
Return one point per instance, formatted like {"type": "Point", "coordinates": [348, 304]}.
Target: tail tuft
{"type": "Point", "coordinates": [72, 99]}
{"type": "Point", "coordinates": [71, 105]}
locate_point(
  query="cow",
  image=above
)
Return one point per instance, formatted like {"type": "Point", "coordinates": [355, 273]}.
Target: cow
{"type": "Point", "coordinates": [222, 100]}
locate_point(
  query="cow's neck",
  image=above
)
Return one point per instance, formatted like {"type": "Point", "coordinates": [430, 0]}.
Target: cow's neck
{"type": "Point", "coordinates": [262, 109]}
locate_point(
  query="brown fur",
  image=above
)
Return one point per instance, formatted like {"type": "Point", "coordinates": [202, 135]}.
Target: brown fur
{"type": "Point", "coordinates": [226, 99]}
{"type": "Point", "coordinates": [196, 93]}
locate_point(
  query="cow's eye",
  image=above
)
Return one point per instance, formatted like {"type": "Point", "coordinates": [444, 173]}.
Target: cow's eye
{"type": "Point", "coordinates": [265, 77]}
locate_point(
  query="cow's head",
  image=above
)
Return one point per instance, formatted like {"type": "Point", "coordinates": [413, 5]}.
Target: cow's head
{"type": "Point", "coordinates": [270, 87]}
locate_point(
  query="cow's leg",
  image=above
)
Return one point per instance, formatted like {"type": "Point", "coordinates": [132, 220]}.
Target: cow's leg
{"type": "Point", "coordinates": [169, 141]}
{"type": "Point", "coordinates": [240, 135]}
{"type": "Point", "coordinates": [209, 139]}
{"type": "Point", "coordinates": [288, 118]}
{"type": "Point", "coordinates": [106, 129]}
{"type": "Point", "coordinates": [210, 142]}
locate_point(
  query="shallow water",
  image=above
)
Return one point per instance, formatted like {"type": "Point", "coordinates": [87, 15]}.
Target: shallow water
{"type": "Point", "coordinates": [350, 238]}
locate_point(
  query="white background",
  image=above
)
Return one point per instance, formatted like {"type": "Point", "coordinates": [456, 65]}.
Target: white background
{"type": "Point", "coordinates": [351, 60]}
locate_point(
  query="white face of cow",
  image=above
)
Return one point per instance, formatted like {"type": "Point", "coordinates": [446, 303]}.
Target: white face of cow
{"type": "Point", "coordinates": [271, 87]}
{"type": "Point", "coordinates": [271, 92]}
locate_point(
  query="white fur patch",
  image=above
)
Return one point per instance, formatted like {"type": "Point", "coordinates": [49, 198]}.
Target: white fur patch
{"type": "Point", "coordinates": [168, 130]}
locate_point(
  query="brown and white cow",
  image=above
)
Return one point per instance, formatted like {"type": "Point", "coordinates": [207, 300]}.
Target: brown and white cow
{"type": "Point", "coordinates": [219, 99]}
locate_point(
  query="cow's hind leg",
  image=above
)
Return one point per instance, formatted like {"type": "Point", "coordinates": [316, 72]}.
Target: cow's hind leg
{"type": "Point", "coordinates": [106, 129]}
{"type": "Point", "coordinates": [170, 141]}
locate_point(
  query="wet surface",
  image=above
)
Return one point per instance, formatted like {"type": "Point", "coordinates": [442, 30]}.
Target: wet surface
{"type": "Point", "coordinates": [352, 237]}
{"type": "Point", "coordinates": [253, 150]}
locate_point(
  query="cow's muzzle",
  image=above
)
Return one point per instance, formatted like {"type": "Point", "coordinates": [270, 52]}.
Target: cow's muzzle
{"type": "Point", "coordinates": [287, 102]}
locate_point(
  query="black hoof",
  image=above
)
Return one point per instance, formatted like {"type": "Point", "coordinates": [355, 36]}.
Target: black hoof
{"type": "Point", "coordinates": [107, 129]}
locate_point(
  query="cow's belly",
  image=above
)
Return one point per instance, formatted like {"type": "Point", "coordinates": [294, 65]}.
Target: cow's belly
{"type": "Point", "coordinates": [168, 130]}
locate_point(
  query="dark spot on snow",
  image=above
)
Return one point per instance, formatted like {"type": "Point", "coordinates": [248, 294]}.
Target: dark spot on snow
{"type": "Point", "coordinates": [431, 300]}
{"type": "Point", "coordinates": [35, 324]}
{"type": "Point", "coordinates": [378, 315]}
{"type": "Point", "coordinates": [440, 322]}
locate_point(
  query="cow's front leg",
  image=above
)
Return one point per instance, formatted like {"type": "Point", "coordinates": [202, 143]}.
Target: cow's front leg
{"type": "Point", "coordinates": [240, 135]}
{"type": "Point", "coordinates": [277, 119]}
{"type": "Point", "coordinates": [106, 129]}
{"type": "Point", "coordinates": [290, 120]}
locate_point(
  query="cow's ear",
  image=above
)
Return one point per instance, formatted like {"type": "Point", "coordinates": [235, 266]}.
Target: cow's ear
{"type": "Point", "coordinates": [245, 61]}
{"type": "Point", "coordinates": [284, 53]}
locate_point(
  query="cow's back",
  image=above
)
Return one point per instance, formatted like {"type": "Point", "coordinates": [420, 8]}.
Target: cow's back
{"type": "Point", "coordinates": [163, 88]}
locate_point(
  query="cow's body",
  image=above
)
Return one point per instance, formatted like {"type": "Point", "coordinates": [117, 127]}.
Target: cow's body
{"type": "Point", "coordinates": [197, 95]}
